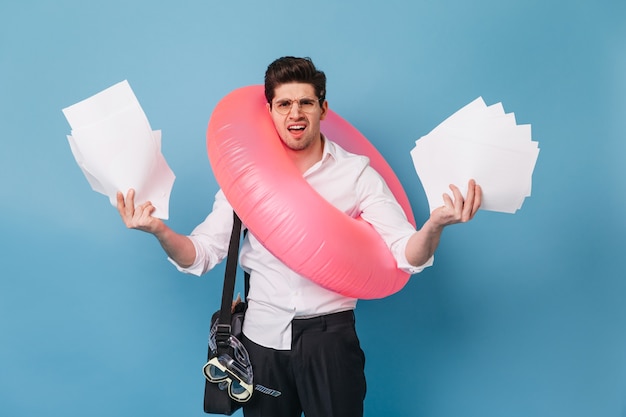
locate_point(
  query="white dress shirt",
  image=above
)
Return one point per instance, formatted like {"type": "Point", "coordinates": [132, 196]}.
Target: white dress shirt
{"type": "Point", "coordinates": [277, 293]}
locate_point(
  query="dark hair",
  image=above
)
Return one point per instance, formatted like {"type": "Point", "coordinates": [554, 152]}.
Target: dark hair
{"type": "Point", "coordinates": [289, 69]}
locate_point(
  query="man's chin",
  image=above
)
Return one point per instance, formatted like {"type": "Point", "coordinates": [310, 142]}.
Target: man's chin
{"type": "Point", "coordinates": [296, 144]}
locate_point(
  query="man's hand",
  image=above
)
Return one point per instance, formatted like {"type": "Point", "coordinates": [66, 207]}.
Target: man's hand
{"type": "Point", "coordinates": [459, 209]}
{"type": "Point", "coordinates": [178, 247]}
{"type": "Point", "coordinates": [139, 217]}
{"type": "Point", "coordinates": [422, 245]}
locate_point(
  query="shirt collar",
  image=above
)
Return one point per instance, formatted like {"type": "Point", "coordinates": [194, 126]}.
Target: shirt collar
{"type": "Point", "coordinates": [329, 152]}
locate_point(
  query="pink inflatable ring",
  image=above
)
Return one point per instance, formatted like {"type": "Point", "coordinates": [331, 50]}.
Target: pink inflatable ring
{"type": "Point", "coordinates": [286, 214]}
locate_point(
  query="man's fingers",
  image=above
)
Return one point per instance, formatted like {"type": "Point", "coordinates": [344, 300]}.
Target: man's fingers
{"type": "Point", "coordinates": [458, 200]}
{"type": "Point", "coordinates": [130, 203]}
{"type": "Point", "coordinates": [456, 192]}
{"type": "Point", "coordinates": [146, 209]}
{"type": "Point", "coordinates": [478, 198]}
{"type": "Point", "coordinates": [447, 201]}
{"type": "Point", "coordinates": [469, 202]}
{"type": "Point", "coordinates": [139, 217]}
{"type": "Point", "coordinates": [130, 198]}
{"type": "Point", "coordinates": [120, 201]}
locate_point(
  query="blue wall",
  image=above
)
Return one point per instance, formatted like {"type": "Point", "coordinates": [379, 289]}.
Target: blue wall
{"type": "Point", "coordinates": [522, 315]}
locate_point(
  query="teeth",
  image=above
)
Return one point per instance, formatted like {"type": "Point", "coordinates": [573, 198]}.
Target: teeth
{"type": "Point", "coordinates": [296, 128]}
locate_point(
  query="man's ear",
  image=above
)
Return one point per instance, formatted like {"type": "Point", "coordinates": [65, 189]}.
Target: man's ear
{"type": "Point", "coordinates": [324, 110]}
{"type": "Point", "coordinates": [269, 107]}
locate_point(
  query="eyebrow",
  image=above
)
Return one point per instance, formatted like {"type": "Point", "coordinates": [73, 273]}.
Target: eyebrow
{"type": "Point", "coordinates": [294, 99]}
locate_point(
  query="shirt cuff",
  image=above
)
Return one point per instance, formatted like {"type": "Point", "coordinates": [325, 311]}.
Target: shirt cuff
{"type": "Point", "coordinates": [411, 269]}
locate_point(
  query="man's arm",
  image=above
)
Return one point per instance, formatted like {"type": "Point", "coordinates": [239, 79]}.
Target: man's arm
{"type": "Point", "coordinates": [178, 247]}
{"type": "Point", "coordinates": [423, 243]}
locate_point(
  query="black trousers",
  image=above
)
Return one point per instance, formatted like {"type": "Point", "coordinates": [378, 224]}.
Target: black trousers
{"type": "Point", "coordinates": [322, 375]}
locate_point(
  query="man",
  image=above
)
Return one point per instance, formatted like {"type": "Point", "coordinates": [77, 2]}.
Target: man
{"type": "Point", "coordinates": [301, 337]}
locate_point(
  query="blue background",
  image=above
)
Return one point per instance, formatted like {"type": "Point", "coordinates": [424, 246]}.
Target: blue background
{"type": "Point", "coordinates": [522, 315]}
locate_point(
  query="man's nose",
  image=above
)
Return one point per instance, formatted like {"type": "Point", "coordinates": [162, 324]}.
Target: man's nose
{"type": "Point", "coordinates": [295, 109]}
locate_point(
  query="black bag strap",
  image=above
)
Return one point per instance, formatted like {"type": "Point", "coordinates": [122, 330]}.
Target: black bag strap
{"type": "Point", "coordinates": [223, 327]}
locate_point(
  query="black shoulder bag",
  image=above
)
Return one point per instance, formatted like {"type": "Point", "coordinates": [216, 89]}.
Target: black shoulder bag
{"type": "Point", "coordinates": [228, 371]}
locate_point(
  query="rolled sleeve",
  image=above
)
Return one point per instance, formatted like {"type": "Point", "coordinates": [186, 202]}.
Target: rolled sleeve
{"type": "Point", "coordinates": [399, 253]}
{"type": "Point", "coordinates": [381, 209]}
{"type": "Point", "coordinates": [198, 266]}
{"type": "Point", "coordinates": [210, 238]}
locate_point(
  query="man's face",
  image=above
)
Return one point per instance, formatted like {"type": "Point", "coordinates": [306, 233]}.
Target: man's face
{"type": "Point", "coordinates": [300, 126]}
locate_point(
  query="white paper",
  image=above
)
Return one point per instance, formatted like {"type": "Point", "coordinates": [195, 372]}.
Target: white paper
{"type": "Point", "coordinates": [483, 143]}
{"type": "Point", "coordinates": [116, 149]}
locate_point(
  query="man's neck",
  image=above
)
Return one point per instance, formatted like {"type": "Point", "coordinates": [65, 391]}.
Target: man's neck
{"type": "Point", "coordinates": [306, 158]}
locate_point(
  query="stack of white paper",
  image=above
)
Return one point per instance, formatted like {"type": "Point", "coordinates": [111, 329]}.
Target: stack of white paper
{"type": "Point", "coordinates": [480, 142]}
{"type": "Point", "coordinates": [116, 149]}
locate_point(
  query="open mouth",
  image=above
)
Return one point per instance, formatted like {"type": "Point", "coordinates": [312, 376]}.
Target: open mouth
{"type": "Point", "coordinates": [296, 128]}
